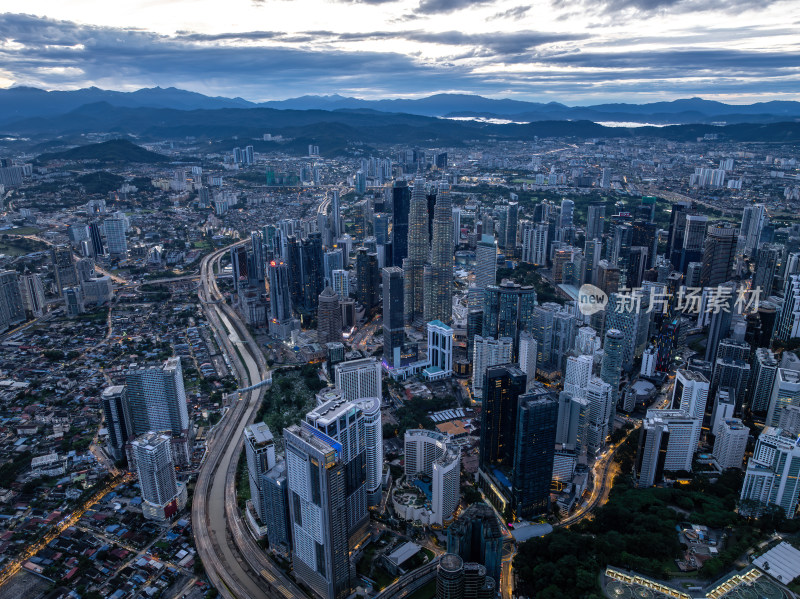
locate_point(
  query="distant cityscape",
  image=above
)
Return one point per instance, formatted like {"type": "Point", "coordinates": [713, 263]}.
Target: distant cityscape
{"type": "Point", "coordinates": [259, 367]}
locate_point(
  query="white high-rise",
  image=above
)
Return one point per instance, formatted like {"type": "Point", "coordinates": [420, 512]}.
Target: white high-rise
{"type": "Point", "coordinates": [730, 444]}
{"type": "Point", "coordinates": [33, 294]}
{"type": "Point", "coordinates": [486, 262]}
{"type": "Point", "coordinates": [162, 496]}
{"type": "Point", "coordinates": [681, 442]}
{"type": "Point", "coordinates": [341, 282]}
{"type": "Point", "coordinates": [260, 451]}
{"type": "Point", "coordinates": [787, 322]}
{"type": "Point", "coordinates": [534, 244]}
{"type": "Point", "coordinates": [115, 237]}
{"type": "Point", "coordinates": [690, 394]}
{"type": "Point", "coordinates": [488, 352]}
{"type": "Point", "coordinates": [431, 453]}
{"type": "Point", "coordinates": [528, 352]}
{"type": "Point", "coordinates": [373, 431]}
{"type": "Point", "coordinates": [765, 367]}
{"type": "Point", "coordinates": [771, 476]}
{"type": "Point", "coordinates": [359, 379]}
{"type": "Point", "coordinates": [785, 392]}
{"type": "Point", "coordinates": [600, 399]}
{"type": "Point", "coordinates": [578, 373]}
{"type": "Point", "coordinates": [586, 341]}
{"type": "Point", "coordinates": [573, 418]}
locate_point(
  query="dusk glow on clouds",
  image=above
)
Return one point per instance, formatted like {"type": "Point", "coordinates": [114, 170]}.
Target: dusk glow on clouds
{"type": "Point", "coordinates": [575, 52]}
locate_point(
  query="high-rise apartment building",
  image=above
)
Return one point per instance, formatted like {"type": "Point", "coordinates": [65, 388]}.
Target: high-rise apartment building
{"type": "Point", "coordinates": [33, 298]}
{"type": "Point", "coordinates": [787, 324]}
{"type": "Point", "coordinates": [785, 392]}
{"type": "Point", "coordinates": [730, 444]}
{"type": "Point", "coordinates": [432, 454]}
{"type": "Point", "coordinates": [771, 477]}
{"type": "Point", "coordinates": [765, 367]}
{"type": "Point", "coordinates": [12, 308]}
{"type": "Point", "coordinates": [534, 244]}
{"type": "Point", "coordinates": [63, 267]}
{"type": "Point", "coordinates": [477, 536]}
{"type": "Point", "coordinates": [667, 443]}
{"type": "Point", "coordinates": [329, 317]}
{"type": "Point", "coordinates": [690, 394]}
{"type": "Point", "coordinates": [259, 446]}
{"type": "Point", "coordinates": [577, 375]}
{"type": "Point", "coordinates": [359, 379]}
{"type": "Point", "coordinates": [488, 352]}
{"type": "Point", "coordinates": [719, 254]}
{"type": "Point", "coordinates": [162, 496]}
{"type": "Point", "coordinates": [115, 411]}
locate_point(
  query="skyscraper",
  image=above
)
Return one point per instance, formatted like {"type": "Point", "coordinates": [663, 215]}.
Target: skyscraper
{"type": "Point", "coordinates": [567, 208]}
{"type": "Point", "coordinates": [487, 352]}
{"type": "Point", "coordinates": [787, 324]}
{"type": "Point", "coordinates": [534, 244]}
{"type": "Point", "coordinates": [718, 255]}
{"type": "Point", "coordinates": [677, 230]}
{"type": "Point", "coordinates": [595, 221]}
{"type": "Point", "coordinates": [439, 295]}
{"type": "Point", "coordinates": [508, 310]}
{"type": "Point", "coordinates": [329, 317]}
{"type": "Point", "coordinates": [690, 394]}
{"type": "Point", "coordinates": [368, 275]}
{"type": "Point", "coordinates": [161, 494]}
{"type": "Point", "coordinates": [359, 379]}
{"type": "Point", "coordinates": [769, 261]}
{"type": "Point", "coordinates": [771, 475]}
{"type": "Point", "coordinates": [157, 402]}
{"type": "Point", "coordinates": [418, 249]}
{"type": "Point", "coordinates": [373, 438]}
{"type": "Point", "coordinates": [600, 415]}
{"type": "Point", "coordinates": [318, 507]}
{"type": "Point", "coordinates": [504, 385]}
{"type": "Point", "coordinates": [485, 262]}
{"type": "Point", "coordinates": [730, 443]}
{"type": "Point", "coordinates": [313, 275]}
{"type": "Point", "coordinates": [259, 446]}
{"type": "Point", "coordinates": [534, 450]}
{"type": "Point", "coordinates": [281, 320]}
{"type": "Point", "coordinates": [573, 418]}
{"type": "Point", "coordinates": [401, 198]}
{"type": "Point", "coordinates": [115, 236]}
{"type": "Point", "coordinates": [476, 536]}
{"type": "Point", "coordinates": [63, 267]}
{"type": "Point", "coordinates": [393, 330]}
{"type": "Point", "coordinates": [611, 369]}
{"type": "Point", "coordinates": [577, 375]}
{"type": "Point", "coordinates": [509, 215]}
{"type": "Point", "coordinates": [753, 220]}
{"type": "Point", "coordinates": [33, 298]}
{"type": "Point", "coordinates": [115, 410]}
{"type": "Point", "coordinates": [528, 356]}
{"type": "Point", "coordinates": [785, 392]}
{"type": "Point", "coordinates": [450, 577]}
{"type": "Point", "coordinates": [96, 239]}
{"type": "Point", "coordinates": [432, 454]}
{"type": "Point", "coordinates": [765, 367]}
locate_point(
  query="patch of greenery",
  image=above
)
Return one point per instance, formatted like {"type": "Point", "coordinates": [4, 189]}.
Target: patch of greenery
{"type": "Point", "coordinates": [526, 274]}
{"type": "Point", "coordinates": [100, 182]}
{"type": "Point", "coordinates": [289, 397]}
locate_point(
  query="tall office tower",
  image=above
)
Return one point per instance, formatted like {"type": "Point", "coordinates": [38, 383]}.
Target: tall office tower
{"type": "Point", "coordinates": [488, 352]}
{"type": "Point", "coordinates": [281, 321]}
{"type": "Point", "coordinates": [313, 275]}
{"type": "Point", "coordinates": [329, 317]}
{"type": "Point", "coordinates": [342, 423]}
{"type": "Point", "coordinates": [380, 224]}
{"type": "Point", "coordinates": [440, 350]}
{"type": "Point", "coordinates": [765, 367]}
{"type": "Point", "coordinates": [720, 326]}
{"type": "Point", "coordinates": [259, 259]}
{"type": "Point", "coordinates": [730, 444]}
{"type": "Point", "coordinates": [486, 262]}
{"type": "Point", "coordinates": [32, 290]}
{"type": "Point", "coordinates": [731, 349]}
{"type": "Point", "coordinates": [564, 331]}
{"type": "Point", "coordinates": [508, 228]}
{"type": "Point", "coordinates": [368, 276]}
{"type": "Point", "coordinates": [577, 375]}
{"type": "Point", "coordinates": [73, 301]}
{"type": "Point", "coordinates": [239, 265]}
{"type": "Point", "coordinates": [259, 446]}
{"type": "Point", "coordinates": [439, 295]}
{"type": "Point", "coordinates": [649, 360]}
{"type": "Point", "coordinates": [690, 394]}
{"type": "Point", "coordinates": [608, 277]}
{"type": "Point", "coordinates": [753, 220]}
{"type": "Point", "coordinates": [294, 261]}
{"type": "Point", "coordinates": [611, 369]}
{"type": "Point", "coordinates": [474, 327]}
{"type": "Point", "coordinates": [393, 330]}
{"type": "Point", "coordinates": [719, 255]}
{"type": "Point", "coordinates": [534, 450]}
{"type": "Point", "coordinates": [115, 237]}
{"type": "Point", "coordinates": [115, 411]}
{"type": "Point", "coordinates": [335, 215]}
{"type": "Point", "coordinates": [504, 385]}
{"type": "Point", "coordinates": [161, 494]}
{"type": "Point", "coordinates": [275, 498]}
{"type": "Point", "coordinates": [450, 577]}
{"type": "Point", "coordinates": [318, 507]}
{"type": "Point", "coordinates": [528, 355]}
{"type": "Point", "coordinates": [157, 402]}
{"type": "Point", "coordinates": [595, 220]}
{"type": "Point", "coordinates": [432, 454]}
{"type": "Point", "coordinates": [785, 392]}
{"type": "Point", "coordinates": [12, 308]}
{"type": "Point", "coordinates": [693, 272]}
{"type": "Point", "coordinates": [96, 239]}
{"type": "Point", "coordinates": [734, 374]}
{"type": "Point", "coordinates": [637, 266]}
{"type": "Point", "coordinates": [508, 310]}
{"type": "Point", "coordinates": [534, 244]}
{"type": "Point", "coordinates": [600, 419]}
{"type": "Point", "coordinates": [360, 182]}
{"type": "Point", "coordinates": [456, 226]}
{"type": "Point", "coordinates": [341, 283]}
{"type": "Point", "coordinates": [681, 443]}
{"type": "Point", "coordinates": [401, 201]}
{"type": "Point", "coordinates": [693, 244]}
{"type": "Point", "coordinates": [591, 252]}
{"type": "Point", "coordinates": [359, 379]}
{"type": "Point", "coordinates": [567, 208]}
{"type": "Point", "coordinates": [677, 230]}
{"type": "Point", "coordinates": [418, 247]}
{"type": "Point", "coordinates": [787, 323]}
{"type": "Point", "coordinates": [373, 433]}
{"type": "Point", "coordinates": [633, 322]}
{"type": "Point", "coordinates": [63, 267]}
{"type": "Point", "coordinates": [771, 475]}
{"type": "Point", "coordinates": [85, 269]}
{"type": "Point", "coordinates": [431, 198]}
{"type": "Point", "coordinates": [770, 256]}
{"type": "Point", "coordinates": [477, 536]}
{"type": "Point", "coordinates": [621, 249]}
{"type": "Point", "coordinates": [542, 329]}
{"type": "Point", "coordinates": [573, 419]}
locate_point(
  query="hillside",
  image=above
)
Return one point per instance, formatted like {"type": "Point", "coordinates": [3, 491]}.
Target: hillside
{"type": "Point", "coordinates": [116, 150]}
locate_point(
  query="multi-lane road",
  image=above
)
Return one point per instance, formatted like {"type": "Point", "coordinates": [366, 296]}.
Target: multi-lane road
{"type": "Point", "coordinates": [233, 561]}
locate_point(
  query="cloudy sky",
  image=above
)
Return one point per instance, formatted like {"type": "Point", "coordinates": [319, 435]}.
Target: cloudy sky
{"type": "Point", "coordinates": [570, 51]}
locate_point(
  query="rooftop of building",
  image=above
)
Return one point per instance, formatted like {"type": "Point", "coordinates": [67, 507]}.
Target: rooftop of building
{"type": "Point", "coordinates": [691, 375]}
{"type": "Point", "coordinates": [259, 434]}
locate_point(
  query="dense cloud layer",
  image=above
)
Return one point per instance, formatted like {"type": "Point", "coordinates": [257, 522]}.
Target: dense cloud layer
{"type": "Point", "coordinates": [265, 64]}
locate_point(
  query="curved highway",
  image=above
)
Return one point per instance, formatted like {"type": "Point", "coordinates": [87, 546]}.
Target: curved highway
{"type": "Point", "coordinates": [233, 561]}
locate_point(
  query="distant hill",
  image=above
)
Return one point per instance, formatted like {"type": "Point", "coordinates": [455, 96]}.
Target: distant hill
{"type": "Point", "coordinates": [116, 150]}
{"type": "Point", "coordinates": [18, 103]}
